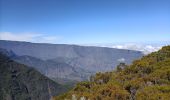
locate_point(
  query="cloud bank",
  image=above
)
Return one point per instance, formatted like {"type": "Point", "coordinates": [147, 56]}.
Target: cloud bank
{"type": "Point", "coordinates": [145, 48]}
{"type": "Point", "coordinates": [43, 38]}
{"type": "Point", "coordinates": [29, 37]}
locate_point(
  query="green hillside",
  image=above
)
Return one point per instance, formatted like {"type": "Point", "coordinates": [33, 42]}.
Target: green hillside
{"type": "Point", "coordinates": [20, 82]}
{"type": "Point", "coordinates": [145, 79]}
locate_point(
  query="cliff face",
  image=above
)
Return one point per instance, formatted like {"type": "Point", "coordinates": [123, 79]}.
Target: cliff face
{"type": "Point", "coordinates": [68, 61]}
{"type": "Point", "coordinates": [54, 69]}
{"type": "Point", "coordinates": [19, 82]}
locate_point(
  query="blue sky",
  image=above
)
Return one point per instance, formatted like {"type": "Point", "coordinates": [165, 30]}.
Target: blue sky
{"type": "Point", "coordinates": [85, 21]}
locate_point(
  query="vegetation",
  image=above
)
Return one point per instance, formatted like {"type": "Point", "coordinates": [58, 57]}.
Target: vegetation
{"type": "Point", "coordinates": [145, 79]}
{"type": "Point", "coordinates": [20, 82]}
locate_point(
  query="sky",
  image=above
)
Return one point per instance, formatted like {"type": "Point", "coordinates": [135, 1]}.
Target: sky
{"type": "Point", "coordinates": [85, 21]}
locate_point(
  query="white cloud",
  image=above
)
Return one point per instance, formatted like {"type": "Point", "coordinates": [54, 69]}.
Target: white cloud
{"type": "Point", "coordinates": [121, 60]}
{"type": "Point", "coordinates": [44, 38]}
{"type": "Point", "coordinates": [30, 37]}
{"type": "Point", "coordinates": [145, 48]}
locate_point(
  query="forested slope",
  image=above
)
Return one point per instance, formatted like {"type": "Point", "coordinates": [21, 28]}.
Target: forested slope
{"type": "Point", "coordinates": [19, 82]}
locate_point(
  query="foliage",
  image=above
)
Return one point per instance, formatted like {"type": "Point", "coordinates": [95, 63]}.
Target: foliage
{"type": "Point", "coordinates": [145, 79]}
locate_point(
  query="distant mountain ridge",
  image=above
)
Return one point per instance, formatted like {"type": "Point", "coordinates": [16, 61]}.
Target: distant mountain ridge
{"type": "Point", "coordinates": [79, 61]}
{"type": "Point", "coordinates": [54, 69]}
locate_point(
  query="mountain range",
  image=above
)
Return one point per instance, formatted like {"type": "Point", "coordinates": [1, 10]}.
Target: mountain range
{"type": "Point", "coordinates": [70, 62]}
